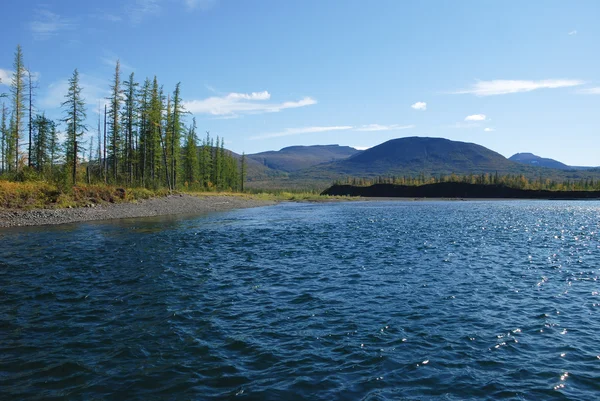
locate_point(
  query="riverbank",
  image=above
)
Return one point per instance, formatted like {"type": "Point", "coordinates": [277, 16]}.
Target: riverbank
{"type": "Point", "coordinates": [456, 190]}
{"type": "Point", "coordinates": [159, 206]}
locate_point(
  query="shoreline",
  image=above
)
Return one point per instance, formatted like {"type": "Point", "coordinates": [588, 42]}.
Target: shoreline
{"type": "Point", "coordinates": [160, 206]}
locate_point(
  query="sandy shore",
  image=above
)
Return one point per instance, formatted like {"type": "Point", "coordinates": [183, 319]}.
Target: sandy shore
{"type": "Point", "coordinates": [175, 204]}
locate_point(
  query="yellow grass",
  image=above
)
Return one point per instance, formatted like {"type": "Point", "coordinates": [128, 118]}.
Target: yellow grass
{"type": "Point", "coordinates": [40, 194]}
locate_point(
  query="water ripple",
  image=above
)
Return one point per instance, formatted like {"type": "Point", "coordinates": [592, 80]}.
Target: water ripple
{"type": "Point", "coordinates": [362, 300]}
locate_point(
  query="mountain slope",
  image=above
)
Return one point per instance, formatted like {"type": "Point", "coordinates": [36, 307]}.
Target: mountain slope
{"type": "Point", "coordinates": [416, 155]}
{"type": "Point", "coordinates": [534, 160]}
{"type": "Point", "coordinates": [296, 158]}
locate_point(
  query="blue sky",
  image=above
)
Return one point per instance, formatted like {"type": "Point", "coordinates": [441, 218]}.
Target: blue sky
{"type": "Point", "coordinates": [513, 76]}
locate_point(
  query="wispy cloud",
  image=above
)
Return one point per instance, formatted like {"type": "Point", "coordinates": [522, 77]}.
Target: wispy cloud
{"type": "Point", "coordinates": [379, 127]}
{"type": "Point", "coordinates": [312, 130]}
{"type": "Point", "coordinates": [235, 104]}
{"type": "Point", "coordinates": [475, 117]}
{"type": "Point", "coordinates": [304, 130]}
{"type": "Point", "coordinates": [94, 91]}
{"type": "Point", "coordinates": [573, 32]}
{"type": "Point", "coordinates": [488, 129]}
{"type": "Point", "coordinates": [111, 61]}
{"type": "Point", "coordinates": [47, 24]}
{"type": "Point", "coordinates": [109, 17]}
{"type": "Point", "coordinates": [419, 106]}
{"type": "Point", "coordinates": [503, 87]}
{"type": "Point", "coordinates": [138, 10]}
{"type": "Point", "coordinates": [201, 4]}
{"type": "Point", "coordinates": [465, 125]}
{"type": "Point", "coordinates": [590, 91]}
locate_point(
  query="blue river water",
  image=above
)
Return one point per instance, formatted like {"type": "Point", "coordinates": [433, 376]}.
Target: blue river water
{"type": "Point", "coordinates": [343, 301]}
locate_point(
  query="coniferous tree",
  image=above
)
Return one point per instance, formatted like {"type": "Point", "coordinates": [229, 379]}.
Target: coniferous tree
{"type": "Point", "coordinates": [53, 147]}
{"type": "Point", "coordinates": [114, 113]}
{"type": "Point", "coordinates": [190, 160]}
{"type": "Point", "coordinates": [105, 161]}
{"type": "Point", "coordinates": [41, 132]}
{"type": "Point", "coordinates": [100, 166]}
{"type": "Point", "coordinates": [10, 144]}
{"type": "Point", "coordinates": [143, 112]}
{"type": "Point", "coordinates": [153, 135]}
{"type": "Point", "coordinates": [129, 121]}
{"type": "Point", "coordinates": [75, 121]}
{"type": "Point", "coordinates": [176, 129]}
{"type": "Point", "coordinates": [30, 87]}
{"type": "Point", "coordinates": [242, 171]}
{"type": "Point", "coordinates": [3, 137]}
{"type": "Point", "coordinates": [18, 97]}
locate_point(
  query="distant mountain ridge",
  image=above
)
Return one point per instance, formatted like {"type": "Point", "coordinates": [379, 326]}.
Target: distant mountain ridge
{"type": "Point", "coordinates": [534, 160]}
{"type": "Point", "coordinates": [294, 158]}
{"type": "Point", "coordinates": [314, 167]}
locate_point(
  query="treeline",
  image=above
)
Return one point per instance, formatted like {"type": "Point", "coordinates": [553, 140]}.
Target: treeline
{"type": "Point", "coordinates": [140, 139]}
{"type": "Point", "coordinates": [517, 181]}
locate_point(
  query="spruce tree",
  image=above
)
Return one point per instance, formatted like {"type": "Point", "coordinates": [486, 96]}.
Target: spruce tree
{"type": "Point", "coordinates": [114, 113]}
{"type": "Point", "coordinates": [18, 95]}
{"type": "Point", "coordinates": [190, 161]}
{"type": "Point", "coordinates": [3, 137]}
{"type": "Point", "coordinates": [243, 171]}
{"type": "Point", "coordinates": [30, 87]}
{"type": "Point", "coordinates": [176, 130]}
{"type": "Point", "coordinates": [129, 121]}
{"type": "Point", "coordinates": [75, 121]}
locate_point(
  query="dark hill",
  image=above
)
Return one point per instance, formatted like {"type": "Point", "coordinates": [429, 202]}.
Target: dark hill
{"type": "Point", "coordinates": [416, 155]}
{"type": "Point", "coordinates": [296, 158]}
{"type": "Point", "coordinates": [455, 190]}
{"type": "Point", "coordinates": [534, 160]}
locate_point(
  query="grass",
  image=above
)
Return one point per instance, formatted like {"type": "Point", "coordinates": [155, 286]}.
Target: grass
{"type": "Point", "coordinates": [45, 195]}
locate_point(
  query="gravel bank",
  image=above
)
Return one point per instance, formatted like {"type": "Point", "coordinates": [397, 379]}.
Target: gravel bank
{"type": "Point", "coordinates": [175, 204]}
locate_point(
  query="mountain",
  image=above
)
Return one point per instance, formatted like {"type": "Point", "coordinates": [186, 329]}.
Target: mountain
{"type": "Point", "coordinates": [296, 158]}
{"type": "Point", "coordinates": [416, 155]}
{"type": "Point", "coordinates": [411, 156]}
{"type": "Point", "coordinates": [256, 171]}
{"type": "Point", "coordinates": [533, 160]}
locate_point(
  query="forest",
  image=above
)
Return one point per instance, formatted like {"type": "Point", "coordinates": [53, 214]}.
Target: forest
{"type": "Point", "coordinates": [517, 181]}
{"type": "Point", "coordinates": [140, 140]}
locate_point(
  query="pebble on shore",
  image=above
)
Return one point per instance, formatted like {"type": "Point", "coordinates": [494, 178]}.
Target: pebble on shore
{"type": "Point", "coordinates": [170, 205]}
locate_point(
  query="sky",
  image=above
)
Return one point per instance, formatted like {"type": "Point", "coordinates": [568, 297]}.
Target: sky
{"type": "Point", "coordinates": [513, 76]}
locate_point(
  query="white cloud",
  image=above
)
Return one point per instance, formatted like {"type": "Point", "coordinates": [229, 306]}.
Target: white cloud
{"type": "Point", "coordinates": [591, 91]}
{"type": "Point", "coordinates": [47, 24]}
{"type": "Point", "coordinates": [298, 131]}
{"type": "Point", "coordinates": [420, 106]}
{"type": "Point", "coordinates": [573, 32]}
{"type": "Point", "coordinates": [378, 127]}
{"type": "Point", "coordinates": [234, 104]}
{"type": "Point", "coordinates": [503, 87]}
{"type": "Point", "coordinates": [361, 147]}
{"type": "Point", "coordinates": [475, 117]}
{"type": "Point", "coordinates": [489, 129]}
{"type": "Point", "coordinates": [5, 77]}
